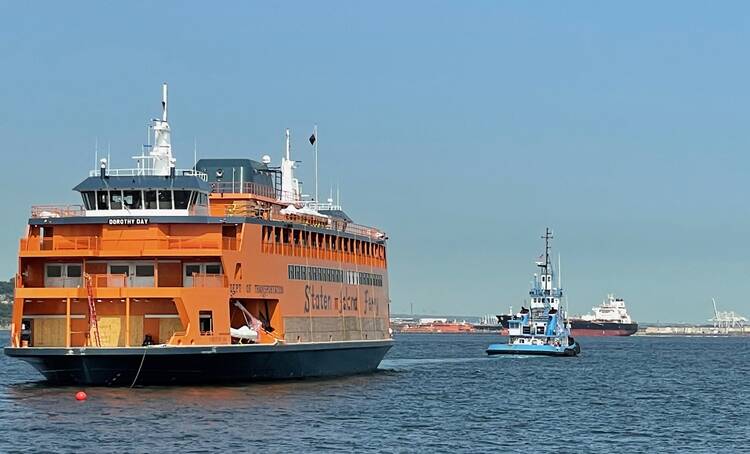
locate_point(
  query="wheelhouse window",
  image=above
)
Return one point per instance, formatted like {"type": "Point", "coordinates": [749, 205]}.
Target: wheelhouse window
{"type": "Point", "coordinates": [132, 200]}
{"type": "Point", "coordinates": [150, 200]}
{"type": "Point", "coordinates": [89, 200]}
{"type": "Point", "coordinates": [165, 200]}
{"type": "Point", "coordinates": [115, 200]}
{"type": "Point", "coordinates": [102, 200]}
{"type": "Point", "coordinates": [181, 199]}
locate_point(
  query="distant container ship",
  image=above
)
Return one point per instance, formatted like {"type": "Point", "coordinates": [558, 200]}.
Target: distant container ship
{"type": "Point", "coordinates": [608, 319]}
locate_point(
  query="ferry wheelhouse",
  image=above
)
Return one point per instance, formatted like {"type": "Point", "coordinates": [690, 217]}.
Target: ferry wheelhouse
{"type": "Point", "coordinates": [221, 272]}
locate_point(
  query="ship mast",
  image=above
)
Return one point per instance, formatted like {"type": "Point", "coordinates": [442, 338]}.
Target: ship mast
{"type": "Point", "coordinates": [547, 265]}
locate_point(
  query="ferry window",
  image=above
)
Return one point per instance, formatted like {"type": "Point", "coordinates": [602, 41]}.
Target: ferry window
{"type": "Point", "coordinates": [165, 200]}
{"type": "Point", "coordinates": [193, 197]}
{"type": "Point", "coordinates": [213, 268]}
{"type": "Point", "coordinates": [132, 200]}
{"type": "Point", "coordinates": [74, 270]}
{"type": "Point", "coordinates": [115, 200]}
{"type": "Point", "coordinates": [144, 270]}
{"type": "Point", "coordinates": [150, 200]}
{"type": "Point", "coordinates": [181, 199]}
{"type": "Point", "coordinates": [206, 322]}
{"type": "Point", "coordinates": [192, 269]}
{"type": "Point", "coordinates": [89, 200]}
{"type": "Point", "coordinates": [119, 269]}
{"type": "Point", "coordinates": [54, 270]}
{"type": "Point", "coordinates": [102, 200]}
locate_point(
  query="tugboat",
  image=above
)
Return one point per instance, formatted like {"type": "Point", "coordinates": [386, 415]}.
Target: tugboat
{"type": "Point", "coordinates": [542, 328]}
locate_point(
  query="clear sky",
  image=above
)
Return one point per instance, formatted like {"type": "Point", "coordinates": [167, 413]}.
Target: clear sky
{"type": "Point", "coordinates": [461, 128]}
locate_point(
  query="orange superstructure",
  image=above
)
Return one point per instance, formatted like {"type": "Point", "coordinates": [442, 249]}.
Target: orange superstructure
{"type": "Point", "coordinates": [179, 259]}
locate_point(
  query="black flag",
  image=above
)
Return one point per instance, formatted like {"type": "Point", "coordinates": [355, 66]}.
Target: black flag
{"type": "Point", "coordinates": [312, 139]}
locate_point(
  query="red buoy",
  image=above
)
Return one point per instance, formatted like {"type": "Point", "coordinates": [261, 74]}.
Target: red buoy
{"type": "Point", "coordinates": [80, 395]}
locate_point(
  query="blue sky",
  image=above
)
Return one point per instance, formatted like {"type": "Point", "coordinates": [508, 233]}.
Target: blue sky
{"type": "Point", "coordinates": [461, 128]}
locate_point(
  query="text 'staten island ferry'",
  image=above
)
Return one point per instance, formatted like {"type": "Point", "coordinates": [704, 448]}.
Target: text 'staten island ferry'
{"type": "Point", "coordinates": [219, 273]}
{"type": "Point", "coordinates": [542, 329]}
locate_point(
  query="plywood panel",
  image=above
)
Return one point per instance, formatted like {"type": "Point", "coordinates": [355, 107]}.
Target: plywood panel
{"type": "Point", "coordinates": [111, 331]}
{"type": "Point", "coordinates": [136, 330]}
{"type": "Point", "coordinates": [167, 327]}
{"type": "Point", "coordinates": [49, 332]}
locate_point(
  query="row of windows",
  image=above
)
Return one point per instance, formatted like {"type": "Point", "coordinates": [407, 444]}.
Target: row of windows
{"type": "Point", "coordinates": [74, 269]}
{"type": "Point", "coordinates": [314, 273]}
{"type": "Point", "coordinates": [163, 199]}
{"type": "Point", "coordinates": [542, 300]}
{"type": "Point", "coordinates": [282, 235]}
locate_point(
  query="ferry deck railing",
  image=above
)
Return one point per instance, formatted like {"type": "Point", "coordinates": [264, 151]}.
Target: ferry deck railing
{"type": "Point", "coordinates": [148, 172]}
{"type": "Point", "coordinates": [98, 244]}
{"type": "Point", "coordinates": [205, 280]}
{"type": "Point", "coordinates": [104, 280]}
{"type": "Point", "coordinates": [235, 187]}
{"type": "Point", "coordinates": [323, 253]}
{"type": "Point", "coordinates": [56, 211]}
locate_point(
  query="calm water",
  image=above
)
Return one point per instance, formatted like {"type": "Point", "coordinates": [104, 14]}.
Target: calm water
{"type": "Point", "coordinates": [434, 393]}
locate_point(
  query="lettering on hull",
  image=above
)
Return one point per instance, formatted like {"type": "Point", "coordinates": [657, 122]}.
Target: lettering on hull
{"type": "Point", "coordinates": [317, 300]}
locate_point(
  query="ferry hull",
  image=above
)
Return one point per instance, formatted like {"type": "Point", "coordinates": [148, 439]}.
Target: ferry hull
{"type": "Point", "coordinates": [161, 365]}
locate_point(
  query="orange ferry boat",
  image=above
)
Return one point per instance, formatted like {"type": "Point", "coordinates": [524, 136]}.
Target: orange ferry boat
{"type": "Point", "coordinates": [219, 273]}
{"type": "Point", "coordinates": [436, 326]}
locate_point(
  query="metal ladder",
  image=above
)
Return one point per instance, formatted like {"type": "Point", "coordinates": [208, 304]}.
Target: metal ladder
{"type": "Point", "coordinates": [93, 322]}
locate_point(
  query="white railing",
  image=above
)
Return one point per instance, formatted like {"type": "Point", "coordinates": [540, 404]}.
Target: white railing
{"type": "Point", "coordinates": [148, 172]}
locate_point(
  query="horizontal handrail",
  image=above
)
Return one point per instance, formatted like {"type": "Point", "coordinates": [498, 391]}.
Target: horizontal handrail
{"type": "Point", "coordinates": [109, 280]}
{"type": "Point", "coordinates": [88, 243]}
{"type": "Point", "coordinates": [56, 211]}
{"type": "Point", "coordinates": [147, 172]}
{"type": "Point", "coordinates": [206, 280]}
{"type": "Point", "coordinates": [244, 188]}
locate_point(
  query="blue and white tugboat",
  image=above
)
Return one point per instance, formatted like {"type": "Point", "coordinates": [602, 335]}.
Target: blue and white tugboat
{"type": "Point", "coordinates": [541, 329]}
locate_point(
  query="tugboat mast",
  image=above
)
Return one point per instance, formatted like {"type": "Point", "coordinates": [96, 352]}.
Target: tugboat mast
{"type": "Point", "coordinates": [547, 265]}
